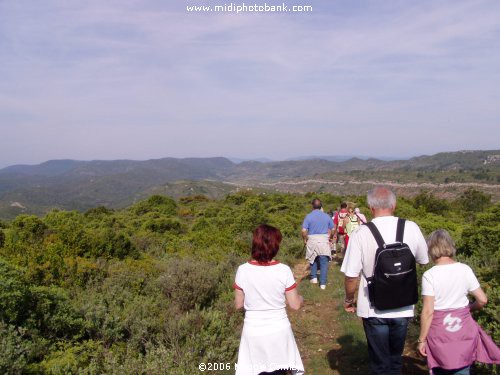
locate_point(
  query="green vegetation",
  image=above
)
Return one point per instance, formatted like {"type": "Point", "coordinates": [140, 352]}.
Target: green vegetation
{"type": "Point", "coordinates": [82, 185]}
{"type": "Point", "coordinates": [147, 289]}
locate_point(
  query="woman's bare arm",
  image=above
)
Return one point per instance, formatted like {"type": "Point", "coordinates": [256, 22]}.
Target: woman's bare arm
{"type": "Point", "coordinates": [239, 299]}
{"type": "Point", "coordinates": [425, 322]}
{"type": "Point", "coordinates": [480, 301]}
{"type": "Point", "coordinates": [294, 299]}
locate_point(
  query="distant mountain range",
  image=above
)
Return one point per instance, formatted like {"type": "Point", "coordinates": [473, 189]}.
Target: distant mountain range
{"type": "Point", "coordinates": [80, 185]}
{"type": "Point", "coordinates": [341, 158]}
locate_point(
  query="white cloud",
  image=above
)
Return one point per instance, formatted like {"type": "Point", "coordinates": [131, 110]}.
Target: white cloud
{"type": "Point", "coordinates": [117, 67]}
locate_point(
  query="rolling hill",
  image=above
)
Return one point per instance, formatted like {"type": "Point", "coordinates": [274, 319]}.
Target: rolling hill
{"type": "Point", "coordinates": [80, 185]}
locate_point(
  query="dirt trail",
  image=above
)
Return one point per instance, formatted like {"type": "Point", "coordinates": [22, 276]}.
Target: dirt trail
{"type": "Point", "coordinates": [330, 341]}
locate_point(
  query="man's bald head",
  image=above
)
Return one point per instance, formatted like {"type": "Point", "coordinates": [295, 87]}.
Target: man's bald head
{"type": "Point", "coordinates": [381, 198]}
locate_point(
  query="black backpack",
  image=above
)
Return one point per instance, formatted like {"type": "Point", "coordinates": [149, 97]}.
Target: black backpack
{"type": "Point", "coordinates": [394, 280]}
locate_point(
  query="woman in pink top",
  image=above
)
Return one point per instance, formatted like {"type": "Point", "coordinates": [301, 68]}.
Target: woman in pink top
{"type": "Point", "coordinates": [449, 337]}
{"type": "Point", "coordinates": [263, 287]}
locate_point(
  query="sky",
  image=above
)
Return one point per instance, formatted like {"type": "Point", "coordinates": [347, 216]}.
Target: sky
{"type": "Point", "coordinates": [130, 79]}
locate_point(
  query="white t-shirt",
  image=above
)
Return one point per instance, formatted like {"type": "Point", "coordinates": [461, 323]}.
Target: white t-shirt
{"type": "Point", "coordinates": [449, 284]}
{"type": "Point", "coordinates": [360, 256]}
{"type": "Point", "coordinates": [264, 285]}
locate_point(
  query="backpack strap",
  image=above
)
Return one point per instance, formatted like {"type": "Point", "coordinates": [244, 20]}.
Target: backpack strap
{"type": "Point", "coordinates": [376, 234]}
{"type": "Point", "coordinates": [378, 238]}
{"type": "Point", "coordinates": [400, 231]}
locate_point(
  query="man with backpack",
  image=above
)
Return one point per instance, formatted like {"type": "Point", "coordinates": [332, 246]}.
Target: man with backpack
{"type": "Point", "coordinates": [384, 254]}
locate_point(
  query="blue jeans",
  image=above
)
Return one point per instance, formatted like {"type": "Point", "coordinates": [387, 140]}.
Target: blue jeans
{"type": "Point", "coordinates": [386, 341]}
{"type": "Point", "coordinates": [459, 371]}
{"type": "Point", "coordinates": [323, 268]}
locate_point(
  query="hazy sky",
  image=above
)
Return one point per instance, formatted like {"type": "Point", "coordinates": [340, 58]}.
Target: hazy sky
{"type": "Point", "coordinates": [99, 79]}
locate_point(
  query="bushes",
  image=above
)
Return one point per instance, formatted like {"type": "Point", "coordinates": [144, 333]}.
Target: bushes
{"type": "Point", "coordinates": [150, 322]}
{"type": "Point", "coordinates": [51, 314]}
{"type": "Point", "coordinates": [190, 282]}
{"type": "Point", "coordinates": [15, 350]}
{"type": "Point", "coordinates": [480, 244]}
{"type": "Point", "coordinates": [69, 358]}
{"type": "Point", "coordinates": [472, 201]}
{"type": "Point", "coordinates": [110, 243]}
{"type": "Point", "coordinates": [158, 203]}
{"type": "Point", "coordinates": [431, 203]}
{"type": "Point", "coordinates": [162, 225]}
{"type": "Point", "coordinates": [45, 311]}
{"type": "Point", "coordinates": [28, 228]}
{"type": "Point", "coordinates": [123, 304]}
{"type": "Point", "coordinates": [147, 290]}
{"type": "Point", "coordinates": [14, 294]}
{"type": "Point", "coordinates": [204, 336]}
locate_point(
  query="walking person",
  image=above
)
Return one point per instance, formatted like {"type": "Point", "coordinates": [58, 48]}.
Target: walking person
{"type": "Point", "coordinates": [385, 327]}
{"type": "Point", "coordinates": [263, 287]}
{"type": "Point", "coordinates": [352, 222]}
{"type": "Point", "coordinates": [334, 238]}
{"type": "Point", "coordinates": [317, 235]}
{"type": "Point", "coordinates": [339, 231]}
{"type": "Point", "coordinates": [449, 337]}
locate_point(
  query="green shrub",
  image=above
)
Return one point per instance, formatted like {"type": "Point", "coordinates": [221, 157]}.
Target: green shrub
{"type": "Point", "coordinates": [15, 349]}
{"type": "Point", "coordinates": [52, 315]}
{"type": "Point", "coordinates": [431, 203]}
{"type": "Point", "coordinates": [162, 225]}
{"type": "Point", "coordinates": [71, 358]}
{"type": "Point", "coordinates": [98, 212]}
{"type": "Point", "coordinates": [158, 203]}
{"type": "Point", "coordinates": [28, 228]}
{"type": "Point", "coordinates": [14, 294]}
{"type": "Point", "coordinates": [108, 242]}
{"type": "Point", "coordinates": [194, 199]}
{"type": "Point", "coordinates": [190, 282]}
{"type": "Point", "coordinates": [147, 290]}
{"type": "Point", "coordinates": [472, 201]}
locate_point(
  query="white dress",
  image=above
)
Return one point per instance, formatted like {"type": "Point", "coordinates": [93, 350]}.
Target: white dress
{"type": "Point", "coordinates": [267, 341]}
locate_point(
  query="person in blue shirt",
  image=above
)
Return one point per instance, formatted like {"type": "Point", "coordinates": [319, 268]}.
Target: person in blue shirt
{"type": "Point", "coordinates": [317, 230]}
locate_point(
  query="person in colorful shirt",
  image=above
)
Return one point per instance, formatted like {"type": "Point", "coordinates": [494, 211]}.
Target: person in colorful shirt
{"type": "Point", "coordinates": [263, 287]}
{"type": "Point", "coordinates": [352, 223]}
{"type": "Point", "coordinates": [449, 337]}
{"type": "Point", "coordinates": [339, 231]}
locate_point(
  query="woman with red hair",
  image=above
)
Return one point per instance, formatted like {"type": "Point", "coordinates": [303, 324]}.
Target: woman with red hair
{"type": "Point", "coordinates": [262, 287]}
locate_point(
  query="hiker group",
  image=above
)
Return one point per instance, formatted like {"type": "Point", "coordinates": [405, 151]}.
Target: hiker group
{"type": "Point", "coordinates": [379, 261]}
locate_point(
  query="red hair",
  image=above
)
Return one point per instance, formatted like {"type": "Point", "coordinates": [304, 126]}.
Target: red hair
{"type": "Point", "coordinates": [266, 243]}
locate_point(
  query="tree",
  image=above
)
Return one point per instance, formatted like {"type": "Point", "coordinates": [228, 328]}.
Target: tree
{"type": "Point", "coordinates": [158, 203]}
{"type": "Point", "coordinates": [14, 295]}
{"type": "Point", "coordinates": [430, 202]}
{"type": "Point", "coordinates": [29, 228]}
{"type": "Point", "coordinates": [473, 200]}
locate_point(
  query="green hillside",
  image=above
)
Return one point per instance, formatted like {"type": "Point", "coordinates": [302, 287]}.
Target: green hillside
{"type": "Point", "coordinates": [147, 289]}
{"type": "Point", "coordinates": [80, 185]}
